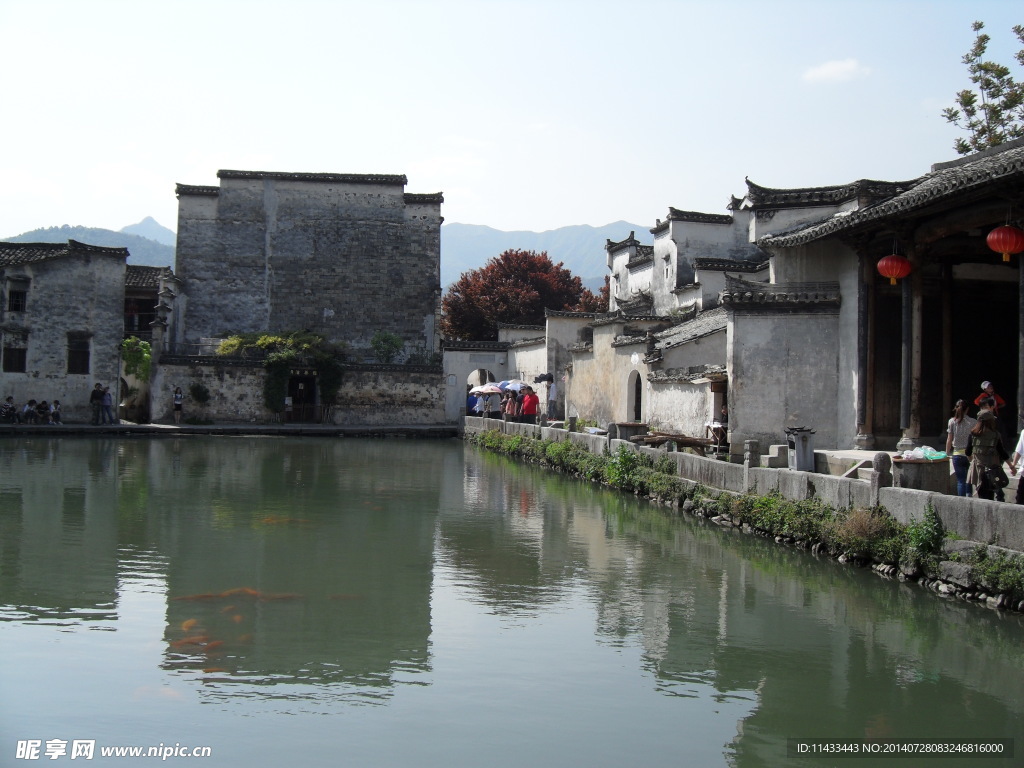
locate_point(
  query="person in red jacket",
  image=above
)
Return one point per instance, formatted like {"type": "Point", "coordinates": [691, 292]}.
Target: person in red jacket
{"type": "Point", "coordinates": [530, 404]}
{"type": "Point", "coordinates": [987, 390]}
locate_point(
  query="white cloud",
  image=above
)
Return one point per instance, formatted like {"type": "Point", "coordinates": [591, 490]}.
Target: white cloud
{"type": "Point", "coordinates": [839, 71]}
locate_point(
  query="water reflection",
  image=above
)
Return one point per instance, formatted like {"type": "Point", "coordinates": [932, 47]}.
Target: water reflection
{"type": "Point", "coordinates": [471, 598]}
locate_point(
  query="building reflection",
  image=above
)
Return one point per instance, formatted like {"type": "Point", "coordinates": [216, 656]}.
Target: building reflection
{"type": "Point", "coordinates": [705, 604]}
{"type": "Point", "coordinates": [288, 564]}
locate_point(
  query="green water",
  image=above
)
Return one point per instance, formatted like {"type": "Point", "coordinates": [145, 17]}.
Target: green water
{"type": "Point", "coordinates": [342, 602]}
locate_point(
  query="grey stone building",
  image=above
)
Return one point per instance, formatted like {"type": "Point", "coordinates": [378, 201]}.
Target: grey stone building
{"type": "Point", "coordinates": [61, 321]}
{"type": "Point", "coordinates": [341, 255]}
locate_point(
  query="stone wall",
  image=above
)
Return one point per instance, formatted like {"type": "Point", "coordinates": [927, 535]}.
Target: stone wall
{"type": "Point", "coordinates": [390, 395]}
{"type": "Point", "coordinates": [83, 293]}
{"type": "Point", "coordinates": [236, 390]}
{"type": "Point", "coordinates": [974, 520]}
{"type": "Point", "coordinates": [372, 395]}
{"type": "Point", "coordinates": [344, 256]}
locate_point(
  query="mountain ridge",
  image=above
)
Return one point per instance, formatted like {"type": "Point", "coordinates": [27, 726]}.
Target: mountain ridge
{"type": "Point", "coordinates": [464, 247]}
{"type": "Point", "coordinates": [580, 247]}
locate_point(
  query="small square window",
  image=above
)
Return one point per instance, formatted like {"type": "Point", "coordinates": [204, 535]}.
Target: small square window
{"type": "Point", "coordinates": [15, 359]}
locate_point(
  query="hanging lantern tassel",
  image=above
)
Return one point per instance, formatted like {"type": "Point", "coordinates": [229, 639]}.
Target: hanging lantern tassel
{"type": "Point", "coordinates": [894, 266]}
{"type": "Point", "coordinates": [1006, 240]}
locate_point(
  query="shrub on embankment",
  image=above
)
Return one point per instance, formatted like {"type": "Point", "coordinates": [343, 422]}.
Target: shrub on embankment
{"type": "Point", "coordinates": [859, 535]}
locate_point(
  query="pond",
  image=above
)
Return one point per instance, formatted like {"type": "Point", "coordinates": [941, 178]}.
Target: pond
{"type": "Point", "coordinates": [329, 601]}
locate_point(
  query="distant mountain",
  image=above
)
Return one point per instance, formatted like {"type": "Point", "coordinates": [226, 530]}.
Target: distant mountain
{"type": "Point", "coordinates": [464, 247]}
{"type": "Point", "coordinates": [579, 247]}
{"type": "Point", "coordinates": [150, 229]}
{"type": "Point", "coordinates": [141, 250]}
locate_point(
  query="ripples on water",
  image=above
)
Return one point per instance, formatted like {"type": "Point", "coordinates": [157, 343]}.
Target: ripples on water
{"type": "Point", "coordinates": [400, 603]}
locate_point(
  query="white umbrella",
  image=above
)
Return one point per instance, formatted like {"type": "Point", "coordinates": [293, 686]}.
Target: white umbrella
{"type": "Point", "coordinates": [515, 384]}
{"type": "Point", "coordinates": [490, 388]}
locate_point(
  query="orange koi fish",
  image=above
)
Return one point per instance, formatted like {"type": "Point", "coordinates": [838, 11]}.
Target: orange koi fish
{"type": "Point", "coordinates": [214, 644]}
{"type": "Point", "coordinates": [209, 670]}
{"type": "Point", "coordinates": [194, 640]}
{"type": "Point", "coordinates": [188, 624]}
{"type": "Point", "coordinates": [237, 618]}
{"type": "Point", "coordinates": [240, 591]}
{"type": "Point", "coordinates": [203, 596]}
{"type": "Point", "coordinates": [227, 609]}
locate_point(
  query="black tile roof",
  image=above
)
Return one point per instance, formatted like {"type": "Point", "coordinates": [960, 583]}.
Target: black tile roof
{"type": "Point", "coordinates": [674, 214]}
{"type": "Point", "coordinates": [704, 324]}
{"type": "Point", "coordinates": [136, 276]}
{"type": "Point", "coordinates": [27, 253]}
{"type": "Point", "coordinates": [329, 178]}
{"type": "Point", "coordinates": [945, 183]}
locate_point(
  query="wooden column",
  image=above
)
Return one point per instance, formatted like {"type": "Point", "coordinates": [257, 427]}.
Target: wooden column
{"type": "Point", "coordinates": [1020, 344]}
{"type": "Point", "coordinates": [865, 440]}
{"type": "Point", "coordinates": [910, 389]}
{"type": "Point", "coordinates": [947, 335]}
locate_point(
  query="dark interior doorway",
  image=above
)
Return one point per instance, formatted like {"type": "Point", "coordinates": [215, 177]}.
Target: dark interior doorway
{"type": "Point", "coordinates": [302, 400]}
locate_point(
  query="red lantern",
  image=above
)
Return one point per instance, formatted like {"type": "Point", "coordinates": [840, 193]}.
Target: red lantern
{"type": "Point", "coordinates": [1006, 240]}
{"type": "Point", "coordinates": [894, 266]}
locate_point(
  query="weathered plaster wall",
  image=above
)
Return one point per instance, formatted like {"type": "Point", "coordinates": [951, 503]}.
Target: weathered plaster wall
{"type": "Point", "coordinates": [783, 372]}
{"type": "Point", "coordinates": [706, 350]}
{"type": "Point", "coordinates": [236, 391]}
{"type": "Point", "coordinates": [598, 387]}
{"type": "Point", "coordinates": [827, 261]}
{"type": "Point", "coordinates": [678, 244]}
{"type": "Point", "coordinates": [514, 333]}
{"type": "Point", "coordinates": [388, 395]}
{"type": "Point", "coordinates": [562, 332]}
{"type": "Point", "coordinates": [528, 360]}
{"type": "Point", "coordinates": [78, 293]}
{"type": "Point", "coordinates": [458, 365]}
{"type": "Point", "coordinates": [680, 407]}
{"type": "Point", "coordinates": [370, 395]}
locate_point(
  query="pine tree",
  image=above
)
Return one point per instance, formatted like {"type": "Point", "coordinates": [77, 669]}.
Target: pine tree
{"type": "Point", "coordinates": [993, 114]}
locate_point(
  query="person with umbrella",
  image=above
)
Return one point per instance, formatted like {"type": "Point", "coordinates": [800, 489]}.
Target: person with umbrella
{"type": "Point", "coordinates": [509, 406]}
{"type": "Point", "coordinates": [529, 406]}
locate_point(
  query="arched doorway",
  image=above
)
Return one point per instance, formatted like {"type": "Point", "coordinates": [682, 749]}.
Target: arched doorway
{"type": "Point", "coordinates": [634, 396]}
{"type": "Point", "coordinates": [488, 404]}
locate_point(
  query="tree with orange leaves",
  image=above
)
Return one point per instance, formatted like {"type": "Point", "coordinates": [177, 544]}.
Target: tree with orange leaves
{"type": "Point", "coordinates": [515, 287]}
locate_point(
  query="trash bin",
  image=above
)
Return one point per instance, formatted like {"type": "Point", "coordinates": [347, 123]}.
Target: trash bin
{"type": "Point", "coordinates": [801, 448]}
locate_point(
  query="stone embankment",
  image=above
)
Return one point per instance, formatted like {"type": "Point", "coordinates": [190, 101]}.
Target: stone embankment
{"type": "Point", "coordinates": [981, 558]}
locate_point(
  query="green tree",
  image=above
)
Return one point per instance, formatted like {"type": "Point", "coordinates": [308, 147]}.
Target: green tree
{"type": "Point", "coordinates": [994, 113]}
{"type": "Point", "coordinates": [515, 287]}
{"type": "Point", "coordinates": [386, 346]}
{"type": "Point", "coordinates": [137, 356]}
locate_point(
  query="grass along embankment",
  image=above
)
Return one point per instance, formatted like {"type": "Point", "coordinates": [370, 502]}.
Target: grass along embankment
{"type": "Point", "coordinates": [921, 551]}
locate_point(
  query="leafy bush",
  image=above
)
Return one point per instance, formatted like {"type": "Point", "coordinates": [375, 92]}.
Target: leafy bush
{"type": "Point", "coordinates": [283, 351]}
{"type": "Point", "coordinates": [925, 536]}
{"type": "Point", "coordinates": [861, 531]}
{"type": "Point", "coordinates": [1000, 573]}
{"type": "Point", "coordinates": [137, 356]}
{"type": "Point", "coordinates": [621, 469]}
{"type": "Point", "coordinates": [199, 392]}
{"type": "Point", "coordinates": [386, 346]}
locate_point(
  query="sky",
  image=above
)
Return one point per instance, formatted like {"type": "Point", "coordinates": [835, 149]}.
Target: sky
{"type": "Point", "coordinates": [525, 115]}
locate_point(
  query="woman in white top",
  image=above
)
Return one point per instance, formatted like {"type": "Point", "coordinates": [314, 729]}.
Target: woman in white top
{"type": "Point", "coordinates": [958, 437]}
